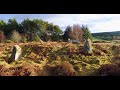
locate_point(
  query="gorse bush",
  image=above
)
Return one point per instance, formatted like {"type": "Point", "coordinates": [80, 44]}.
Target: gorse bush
{"type": "Point", "coordinates": [24, 39]}
{"type": "Point", "coordinates": [2, 36]}
{"type": "Point", "coordinates": [9, 41]}
{"type": "Point", "coordinates": [15, 37]}
{"type": "Point", "coordinates": [36, 38]}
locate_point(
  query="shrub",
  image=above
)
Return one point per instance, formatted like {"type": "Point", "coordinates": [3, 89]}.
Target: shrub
{"type": "Point", "coordinates": [25, 69]}
{"type": "Point", "coordinates": [63, 69]}
{"type": "Point", "coordinates": [36, 38]}
{"type": "Point", "coordinates": [5, 71]}
{"type": "Point", "coordinates": [101, 41]}
{"type": "Point", "coordinates": [2, 37]}
{"type": "Point", "coordinates": [98, 52]}
{"type": "Point", "coordinates": [9, 41]}
{"type": "Point", "coordinates": [109, 70]}
{"type": "Point", "coordinates": [24, 39]}
{"type": "Point", "coordinates": [94, 61]}
{"type": "Point", "coordinates": [16, 37]}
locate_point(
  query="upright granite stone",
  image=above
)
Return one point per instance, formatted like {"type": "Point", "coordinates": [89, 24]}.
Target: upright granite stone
{"type": "Point", "coordinates": [41, 41]}
{"type": "Point", "coordinates": [87, 49]}
{"type": "Point", "coordinates": [16, 52]}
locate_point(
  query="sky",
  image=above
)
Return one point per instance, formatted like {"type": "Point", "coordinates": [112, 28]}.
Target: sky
{"type": "Point", "coordinates": [95, 22]}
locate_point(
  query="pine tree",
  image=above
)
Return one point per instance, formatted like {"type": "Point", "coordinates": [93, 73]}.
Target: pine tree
{"type": "Point", "coordinates": [87, 33]}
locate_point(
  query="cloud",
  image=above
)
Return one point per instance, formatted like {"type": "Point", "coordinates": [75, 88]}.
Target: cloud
{"type": "Point", "coordinates": [112, 25]}
{"type": "Point", "coordinates": [96, 22]}
{"type": "Point", "coordinates": [75, 18]}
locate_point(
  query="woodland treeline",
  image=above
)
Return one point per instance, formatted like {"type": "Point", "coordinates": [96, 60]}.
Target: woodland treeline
{"type": "Point", "coordinates": [37, 29]}
{"type": "Point", "coordinates": [107, 35]}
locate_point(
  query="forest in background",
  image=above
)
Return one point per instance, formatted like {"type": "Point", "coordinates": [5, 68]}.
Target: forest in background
{"type": "Point", "coordinates": [37, 29]}
{"type": "Point", "coordinates": [115, 35]}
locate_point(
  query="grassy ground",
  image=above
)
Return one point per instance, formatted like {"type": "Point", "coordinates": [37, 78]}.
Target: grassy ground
{"type": "Point", "coordinates": [56, 59]}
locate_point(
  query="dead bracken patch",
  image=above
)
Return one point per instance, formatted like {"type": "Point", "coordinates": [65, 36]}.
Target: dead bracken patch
{"type": "Point", "coordinates": [56, 59]}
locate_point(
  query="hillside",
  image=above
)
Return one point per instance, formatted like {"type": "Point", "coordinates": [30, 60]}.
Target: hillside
{"type": "Point", "coordinates": [107, 35]}
{"type": "Point", "coordinates": [114, 33]}
{"type": "Point", "coordinates": [56, 59]}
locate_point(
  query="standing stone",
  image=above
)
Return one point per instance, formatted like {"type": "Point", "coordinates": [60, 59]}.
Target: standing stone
{"type": "Point", "coordinates": [87, 49]}
{"type": "Point", "coordinates": [16, 52]}
{"type": "Point", "coordinates": [41, 41]}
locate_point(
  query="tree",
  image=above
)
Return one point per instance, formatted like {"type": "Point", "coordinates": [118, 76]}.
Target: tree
{"type": "Point", "coordinates": [73, 32]}
{"type": "Point", "coordinates": [45, 36]}
{"type": "Point", "coordinates": [42, 29]}
{"type": "Point", "coordinates": [55, 37]}
{"type": "Point", "coordinates": [39, 26]}
{"type": "Point", "coordinates": [2, 25]}
{"type": "Point", "coordinates": [56, 33]}
{"type": "Point", "coordinates": [67, 33]}
{"type": "Point", "coordinates": [10, 26]}
{"type": "Point", "coordinates": [77, 33]}
{"type": "Point", "coordinates": [50, 28]}
{"type": "Point", "coordinates": [21, 29]}
{"type": "Point", "coordinates": [87, 33]}
{"type": "Point", "coordinates": [29, 28]}
{"type": "Point", "coordinates": [57, 30]}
